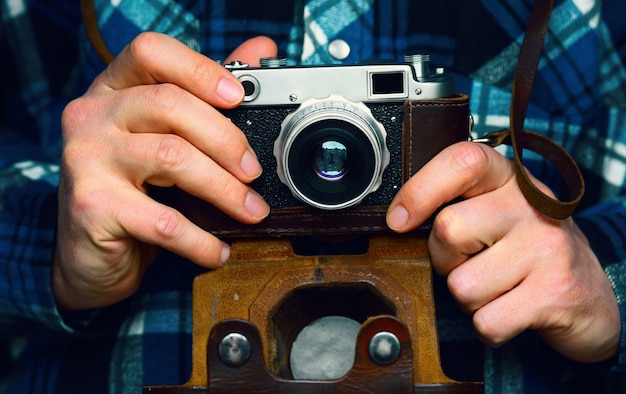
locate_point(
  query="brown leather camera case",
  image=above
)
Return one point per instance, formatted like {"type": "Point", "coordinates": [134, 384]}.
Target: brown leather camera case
{"type": "Point", "coordinates": [428, 127]}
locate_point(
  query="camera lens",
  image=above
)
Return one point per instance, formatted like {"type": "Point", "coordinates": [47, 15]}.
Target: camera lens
{"type": "Point", "coordinates": [331, 162]}
{"type": "Point", "coordinates": [331, 153]}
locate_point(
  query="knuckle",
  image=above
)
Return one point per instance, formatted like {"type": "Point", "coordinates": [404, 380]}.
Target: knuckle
{"type": "Point", "coordinates": [76, 114]}
{"type": "Point", "coordinates": [168, 224]}
{"type": "Point", "coordinates": [85, 204]}
{"type": "Point", "coordinates": [83, 200]}
{"type": "Point", "coordinates": [78, 157]}
{"type": "Point", "coordinates": [171, 151]}
{"type": "Point", "coordinates": [200, 72]}
{"type": "Point", "coordinates": [228, 189]}
{"type": "Point", "coordinates": [554, 245]}
{"type": "Point", "coordinates": [165, 97]}
{"type": "Point", "coordinates": [469, 157]}
{"type": "Point", "coordinates": [73, 154]}
{"type": "Point", "coordinates": [555, 241]}
{"type": "Point", "coordinates": [143, 46]}
{"type": "Point", "coordinates": [226, 186]}
{"type": "Point", "coordinates": [486, 330]}
{"type": "Point", "coordinates": [448, 226]}
{"type": "Point", "coordinates": [462, 287]}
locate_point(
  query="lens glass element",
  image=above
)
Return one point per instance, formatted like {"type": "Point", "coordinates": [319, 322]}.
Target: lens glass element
{"type": "Point", "coordinates": [331, 160]}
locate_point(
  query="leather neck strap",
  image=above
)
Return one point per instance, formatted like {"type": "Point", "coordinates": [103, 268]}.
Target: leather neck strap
{"type": "Point", "coordinates": [515, 136]}
{"type": "Point", "coordinates": [90, 21]}
{"type": "Point", "coordinates": [521, 139]}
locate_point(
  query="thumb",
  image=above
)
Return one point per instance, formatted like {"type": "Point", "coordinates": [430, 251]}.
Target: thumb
{"type": "Point", "coordinates": [252, 50]}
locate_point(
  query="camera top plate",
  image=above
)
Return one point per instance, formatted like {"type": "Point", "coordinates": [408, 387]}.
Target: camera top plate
{"type": "Point", "coordinates": [275, 84]}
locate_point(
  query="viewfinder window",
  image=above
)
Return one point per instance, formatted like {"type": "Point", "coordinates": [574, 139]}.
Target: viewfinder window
{"type": "Point", "coordinates": [387, 83]}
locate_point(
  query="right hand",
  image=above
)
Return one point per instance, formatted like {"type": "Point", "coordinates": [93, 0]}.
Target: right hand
{"type": "Point", "coordinates": [149, 118]}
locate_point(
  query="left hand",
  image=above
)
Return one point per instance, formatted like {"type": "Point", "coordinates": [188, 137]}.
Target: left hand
{"type": "Point", "coordinates": [509, 265]}
{"type": "Point", "coordinates": [150, 118]}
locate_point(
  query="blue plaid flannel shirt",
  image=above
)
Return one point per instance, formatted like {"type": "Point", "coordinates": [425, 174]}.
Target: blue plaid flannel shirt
{"type": "Point", "coordinates": [579, 100]}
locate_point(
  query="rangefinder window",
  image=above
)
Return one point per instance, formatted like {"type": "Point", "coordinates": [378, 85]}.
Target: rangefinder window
{"type": "Point", "coordinates": [387, 83]}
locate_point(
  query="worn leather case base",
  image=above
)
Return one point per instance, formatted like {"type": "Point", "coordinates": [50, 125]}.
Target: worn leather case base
{"type": "Point", "coordinates": [268, 294]}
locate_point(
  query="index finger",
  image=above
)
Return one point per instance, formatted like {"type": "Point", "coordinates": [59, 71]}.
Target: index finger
{"type": "Point", "coordinates": [465, 169]}
{"type": "Point", "coordinates": [153, 58]}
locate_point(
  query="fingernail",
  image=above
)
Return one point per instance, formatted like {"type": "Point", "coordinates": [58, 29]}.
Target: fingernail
{"type": "Point", "coordinates": [229, 90]}
{"type": "Point", "coordinates": [225, 253]}
{"type": "Point", "coordinates": [256, 206]}
{"type": "Point", "coordinates": [250, 165]}
{"type": "Point", "coordinates": [398, 217]}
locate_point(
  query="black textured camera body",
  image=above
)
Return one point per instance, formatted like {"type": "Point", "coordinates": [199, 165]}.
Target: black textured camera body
{"type": "Point", "coordinates": [263, 125]}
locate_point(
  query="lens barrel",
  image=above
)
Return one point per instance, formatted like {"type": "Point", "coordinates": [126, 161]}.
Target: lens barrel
{"type": "Point", "coordinates": [331, 153]}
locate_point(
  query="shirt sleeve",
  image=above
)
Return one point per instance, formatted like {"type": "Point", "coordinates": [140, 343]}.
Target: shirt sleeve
{"type": "Point", "coordinates": [604, 226]}
{"type": "Point", "coordinates": [28, 217]}
{"type": "Point", "coordinates": [39, 52]}
{"type": "Point", "coordinates": [603, 161]}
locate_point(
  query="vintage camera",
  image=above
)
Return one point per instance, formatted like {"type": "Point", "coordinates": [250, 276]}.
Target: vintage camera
{"type": "Point", "coordinates": [337, 142]}
{"type": "Point", "coordinates": [333, 129]}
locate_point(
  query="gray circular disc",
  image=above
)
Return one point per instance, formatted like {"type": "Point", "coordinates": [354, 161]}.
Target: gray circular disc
{"type": "Point", "coordinates": [324, 349]}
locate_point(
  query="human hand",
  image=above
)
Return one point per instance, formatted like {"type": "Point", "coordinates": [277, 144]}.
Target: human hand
{"type": "Point", "coordinates": [509, 265]}
{"type": "Point", "coordinates": [149, 118]}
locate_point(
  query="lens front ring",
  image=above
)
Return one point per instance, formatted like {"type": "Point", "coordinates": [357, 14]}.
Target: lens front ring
{"type": "Point", "coordinates": [326, 126]}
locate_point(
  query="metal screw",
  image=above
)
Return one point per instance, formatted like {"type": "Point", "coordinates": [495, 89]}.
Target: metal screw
{"type": "Point", "coordinates": [235, 350]}
{"type": "Point", "coordinates": [384, 348]}
{"type": "Point", "coordinates": [293, 97]}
